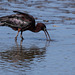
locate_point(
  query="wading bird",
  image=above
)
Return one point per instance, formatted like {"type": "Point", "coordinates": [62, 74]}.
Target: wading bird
{"type": "Point", "coordinates": [22, 22]}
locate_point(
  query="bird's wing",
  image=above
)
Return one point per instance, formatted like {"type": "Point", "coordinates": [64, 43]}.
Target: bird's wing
{"type": "Point", "coordinates": [27, 16]}
{"type": "Point", "coordinates": [20, 20]}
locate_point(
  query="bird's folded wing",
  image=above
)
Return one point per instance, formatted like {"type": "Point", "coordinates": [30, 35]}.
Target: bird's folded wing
{"type": "Point", "coordinates": [15, 21]}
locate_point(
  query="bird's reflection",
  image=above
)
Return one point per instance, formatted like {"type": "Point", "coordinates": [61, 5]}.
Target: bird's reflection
{"type": "Point", "coordinates": [21, 57]}
{"type": "Point", "coordinates": [20, 53]}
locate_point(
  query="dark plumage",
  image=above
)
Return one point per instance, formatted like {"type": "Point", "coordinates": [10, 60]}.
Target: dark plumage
{"type": "Point", "coordinates": [21, 22]}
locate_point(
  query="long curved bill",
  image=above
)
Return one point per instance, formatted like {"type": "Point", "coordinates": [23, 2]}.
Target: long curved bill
{"type": "Point", "coordinates": [47, 35]}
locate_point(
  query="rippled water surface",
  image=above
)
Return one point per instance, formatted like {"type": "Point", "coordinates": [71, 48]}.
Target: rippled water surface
{"type": "Point", "coordinates": [35, 55]}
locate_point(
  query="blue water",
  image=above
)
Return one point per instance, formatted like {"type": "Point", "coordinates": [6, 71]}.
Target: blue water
{"type": "Point", "coordinates": [35, 55]}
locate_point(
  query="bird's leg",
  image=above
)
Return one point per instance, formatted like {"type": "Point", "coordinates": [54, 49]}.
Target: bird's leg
{"type": "Point", "coordinates": [17, 34]}
{"type": "Point", "coordinates": [21, 36]}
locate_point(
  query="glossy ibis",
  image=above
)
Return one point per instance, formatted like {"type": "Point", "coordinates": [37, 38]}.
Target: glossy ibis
{"type": "Point", "coordinates": [22, 22]}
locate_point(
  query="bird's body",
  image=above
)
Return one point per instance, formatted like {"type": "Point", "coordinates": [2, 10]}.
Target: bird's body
{"type": "Point", "coordinates": [21, 22]}
{"type": "Point", "coordinates": [17, 21]}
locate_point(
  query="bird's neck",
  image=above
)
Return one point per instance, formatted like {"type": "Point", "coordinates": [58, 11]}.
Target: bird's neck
{"type": "Point", "coordinates": [36, 29]}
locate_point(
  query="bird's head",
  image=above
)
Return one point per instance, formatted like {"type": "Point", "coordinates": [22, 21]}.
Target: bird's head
{"type": "Point", "coordinates": [43, 27]}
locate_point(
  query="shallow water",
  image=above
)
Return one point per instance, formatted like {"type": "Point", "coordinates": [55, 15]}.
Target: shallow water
{"type": "Point", "coordinates": [35, 55]}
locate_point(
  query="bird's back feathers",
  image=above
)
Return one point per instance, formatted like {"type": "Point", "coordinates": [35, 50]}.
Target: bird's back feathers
{"type": "Point", "coordinates": [19, 20]}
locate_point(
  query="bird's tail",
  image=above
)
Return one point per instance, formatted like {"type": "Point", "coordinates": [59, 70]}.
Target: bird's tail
{"type": "Point", "coordinates": [2, 21]}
